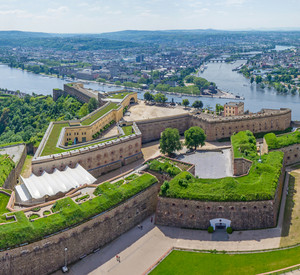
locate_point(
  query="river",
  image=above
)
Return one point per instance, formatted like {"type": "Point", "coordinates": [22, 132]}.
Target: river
{"type": "Point", "coordinates": [220, 73]}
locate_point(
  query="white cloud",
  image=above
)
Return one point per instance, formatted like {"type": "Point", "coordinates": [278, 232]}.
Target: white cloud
{"type": "Point", "coordinates": [59, 10]}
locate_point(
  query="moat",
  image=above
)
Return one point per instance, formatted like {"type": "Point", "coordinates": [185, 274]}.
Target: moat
{"type": "Point", "coordinates": [220, 73]}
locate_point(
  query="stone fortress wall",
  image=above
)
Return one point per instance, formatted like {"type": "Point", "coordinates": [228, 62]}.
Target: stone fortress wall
{"type": "Point", "coordinates": [47, 255]}
{"type": "Point", "coordinates": [78, 91]}
{"type": "Point", "coordinates": [266, 120]}
{"type": "Point", "coordinates": [216, 127]}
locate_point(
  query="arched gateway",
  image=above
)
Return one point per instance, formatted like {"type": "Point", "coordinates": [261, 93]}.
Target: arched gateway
{"type": "Point", "coordinates": [220, 223]}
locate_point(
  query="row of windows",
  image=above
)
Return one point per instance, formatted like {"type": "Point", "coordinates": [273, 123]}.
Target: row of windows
{"type": "Point", "coordinates": [76, 134]}
{"type": "Point", "coordinates": [221, 207]}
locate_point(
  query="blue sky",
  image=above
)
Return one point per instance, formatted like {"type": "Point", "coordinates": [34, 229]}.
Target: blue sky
{"type": "Point", "coordinates": [96, 16]}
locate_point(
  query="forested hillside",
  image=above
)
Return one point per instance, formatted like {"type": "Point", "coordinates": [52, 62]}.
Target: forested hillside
{"type": "Point", "coordinates": [26, 119]}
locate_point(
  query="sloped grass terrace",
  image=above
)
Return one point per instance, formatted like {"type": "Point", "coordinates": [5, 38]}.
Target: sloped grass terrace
{"type": "Point", "coordinates": [277, 142]}
{"type": "Point", "coordinates": [6, 165]}
{"type": "Point", "coordinates": [69, 213]}
{"type": "Point", "coordinates": [100, 113]}
{"type": "Point", "coordinates": [183, 262]}
{"type": "Point", "coordinates": [260, 183]}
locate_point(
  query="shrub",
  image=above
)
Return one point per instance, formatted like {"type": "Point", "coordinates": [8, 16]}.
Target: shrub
{"type": "Point", "coordinates": [229, 230]}
{"type": "Point", "coordinates": [210, 229]}
{"type": "Point", "coordinates": [164, 188]}
{"type": "Point", "coordinates": [36, 209]}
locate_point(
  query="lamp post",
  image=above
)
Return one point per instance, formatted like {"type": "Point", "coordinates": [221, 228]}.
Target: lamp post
{"type": "Point", "coordinates": [65, 268]}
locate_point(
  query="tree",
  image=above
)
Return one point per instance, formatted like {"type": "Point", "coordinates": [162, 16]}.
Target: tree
{"type": "Point", "coordinates": [194, 137]}
{"type": "Point", "coordinates": [170, 141]}
{"type": "Point", "coordinates": [258, 79]}
{"type": "Point", "coordinates": [93, 104]}
{"type": "Point", "coordinates": [251, 79]}
{"type": "Point", "coordinates": [185, 102]}
{"type": "Point", "coordinates": [160, 98]}
{"type": "Point", "coordinates": [198, 104]}
{"type": "Point", "coordinates": [148, 96]}
{"type": "Point", "coordinates": [219, 108]}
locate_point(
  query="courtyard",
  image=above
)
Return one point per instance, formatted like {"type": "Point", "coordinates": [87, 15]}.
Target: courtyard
{"type": "Point", "coordinates": [210, 164]}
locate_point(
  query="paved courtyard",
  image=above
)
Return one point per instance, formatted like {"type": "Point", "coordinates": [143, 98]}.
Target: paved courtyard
{"type": "Point", "coordinates": [211, 164]}
{"type": "Point", "coordinates": [142, 111]}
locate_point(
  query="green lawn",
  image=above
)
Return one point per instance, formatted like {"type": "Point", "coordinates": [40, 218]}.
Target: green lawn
{"type": "Point", "coordinates": [127, 130]}
{"type": "Point", "coordinates": [259, 184]}
{"type": "Point", "coordinates": [6, 165]}
{"type": "Point", "coordinates": [282, 140]}
{"type": "Point", "coordinates": [179, 262]}
{"type": "Point", "coordinates": [68, 213]}
{"type": "Point", "coordinates": [3, 202]}
{"type": "Point", "coordinates": [50, 147]}
{"type": "Point", "coordinates": [119, 95]}
{"type": "Point", "coordinates": [100, 113]}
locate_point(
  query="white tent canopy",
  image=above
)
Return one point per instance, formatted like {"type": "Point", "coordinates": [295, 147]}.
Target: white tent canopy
{"type": "Point", "coordinates": [36, 188]}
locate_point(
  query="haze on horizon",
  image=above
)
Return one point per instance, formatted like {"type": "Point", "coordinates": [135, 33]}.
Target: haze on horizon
{"type": "Point", "coordinates": [97, 16]}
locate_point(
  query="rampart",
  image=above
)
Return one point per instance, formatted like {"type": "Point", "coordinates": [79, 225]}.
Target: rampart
{"type": "Point", "coordinates": [217, 127]}
{"type": "Point", "coordinates": [97, 159]}
{"type": "Point", "coordinates": [244, 215]}
{"type": "Point", "coordinates": [151, 128]}
{"type": "Point", "coordinates": [76, 90]}
{"type": "Point", "coordinates": [291, 152]}
{"type": "Point", "coordinates": [47, 255]}
{"type": "Point", "coordinates": [266, 120]}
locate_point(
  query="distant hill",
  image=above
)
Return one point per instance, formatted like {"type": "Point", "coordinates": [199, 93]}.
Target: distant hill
{"type": "Point", "coordinates": [60, 41]}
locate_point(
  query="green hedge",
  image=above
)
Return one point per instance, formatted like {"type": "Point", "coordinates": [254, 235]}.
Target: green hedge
{"type": "Point", "coordinates": [259, 184]}
{"type": "Point", "coordinates": [164, 166]}
{"type": "Point", "coordinates": [68, 213]}
{"type": "Point", "coordinates": [283, 140]}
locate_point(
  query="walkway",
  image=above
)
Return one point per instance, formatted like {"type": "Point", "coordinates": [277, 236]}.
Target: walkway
{"type": "Point", "coordinates": [140, 249]}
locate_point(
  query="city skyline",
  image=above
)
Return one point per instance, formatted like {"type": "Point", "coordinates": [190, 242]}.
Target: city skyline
{"type": "Point", "coordinates": [99, 16]}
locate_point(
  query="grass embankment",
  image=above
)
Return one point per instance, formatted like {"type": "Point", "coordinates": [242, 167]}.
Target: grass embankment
{"type": "Point", "coordinates": [68, 213]}
{"type": "Point", "coordinates": [100, 113]}
{"type": "Point", "coordinates": [6, 165]}
{"type": "Point", "coordinates": [291, 223]}
{"type": "Point", "coordinates": [50, 146]}
{"type": "Point", "coordinates": [283, 140]}
{"type": "Point", "coordinates": [244, 145]}
{"type": "Point", "coordinates": [3, 202]}
{"type": "Point", "coordinates": [180, 262]}
{"type": "Point", "coordinates": [26, 169]}
{"type": "Point", "coordinates": [119, 95]}
{"type": "Point", "coordinates": [259, 184]}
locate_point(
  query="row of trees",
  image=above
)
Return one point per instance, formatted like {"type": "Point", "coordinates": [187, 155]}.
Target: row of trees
{"type": "Point", "coordinates": [26, 119]}
{"type": "Point", "coordinates": [161, 98]}
{"type": "Point", "coordinates": [170, 139]}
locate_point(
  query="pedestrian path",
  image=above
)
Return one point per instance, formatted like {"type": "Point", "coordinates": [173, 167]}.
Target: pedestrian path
{"type": "Point", "coordinates": [139, 249]}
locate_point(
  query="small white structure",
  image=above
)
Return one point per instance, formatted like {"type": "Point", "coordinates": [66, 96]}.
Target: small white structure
{"type": "Point", "coordinates": [220, 223]}
{"type": "Point", "coordinates": [38, 189]}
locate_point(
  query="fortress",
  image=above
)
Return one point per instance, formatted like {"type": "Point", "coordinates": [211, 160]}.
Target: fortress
{"type": "Point", "coordinates": [99, 158]}
{"type": "Point", "coordinates": [102, 218]}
